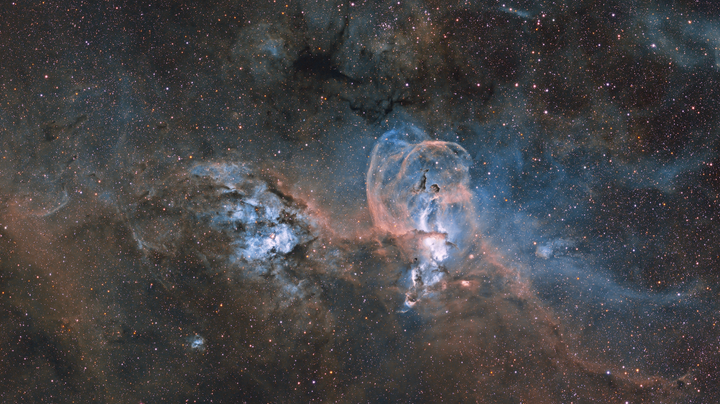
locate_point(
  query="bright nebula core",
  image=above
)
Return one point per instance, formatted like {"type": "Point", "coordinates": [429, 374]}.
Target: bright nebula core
{"type": "Point", "coordinates": [360, 202]}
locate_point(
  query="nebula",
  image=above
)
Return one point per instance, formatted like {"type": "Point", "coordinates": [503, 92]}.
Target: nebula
{"type": "Point", "coordinates": [343, 202]}
{"type": "Point", "coordinates": [417, 189]}
{"type": "Point", "coordinates": [264, 224]}
{"type": "Point", "coordinates": [417, 184]}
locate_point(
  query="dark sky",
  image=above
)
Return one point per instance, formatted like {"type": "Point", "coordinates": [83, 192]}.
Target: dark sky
{"type": "Point", "coordinates": [332, 201]}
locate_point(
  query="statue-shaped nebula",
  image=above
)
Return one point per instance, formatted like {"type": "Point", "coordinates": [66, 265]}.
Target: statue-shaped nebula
{"type": "Point", "coordinates": [417, 190]}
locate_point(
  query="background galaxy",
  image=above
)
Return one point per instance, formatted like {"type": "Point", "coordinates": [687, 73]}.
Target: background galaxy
{"type": "Point", "coordinates": [333, 201]}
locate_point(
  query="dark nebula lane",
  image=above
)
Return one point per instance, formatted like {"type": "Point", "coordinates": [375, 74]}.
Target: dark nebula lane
{"type": "Point", "coordinates": [360, 202]}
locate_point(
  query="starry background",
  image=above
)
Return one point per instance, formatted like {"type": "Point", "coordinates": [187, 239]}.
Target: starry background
{"type": "Point", "coordinates": [595, 178]}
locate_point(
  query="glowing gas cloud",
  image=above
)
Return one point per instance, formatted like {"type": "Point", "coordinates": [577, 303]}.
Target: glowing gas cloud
{"type": "Point", "coordinates": [417, 190]}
